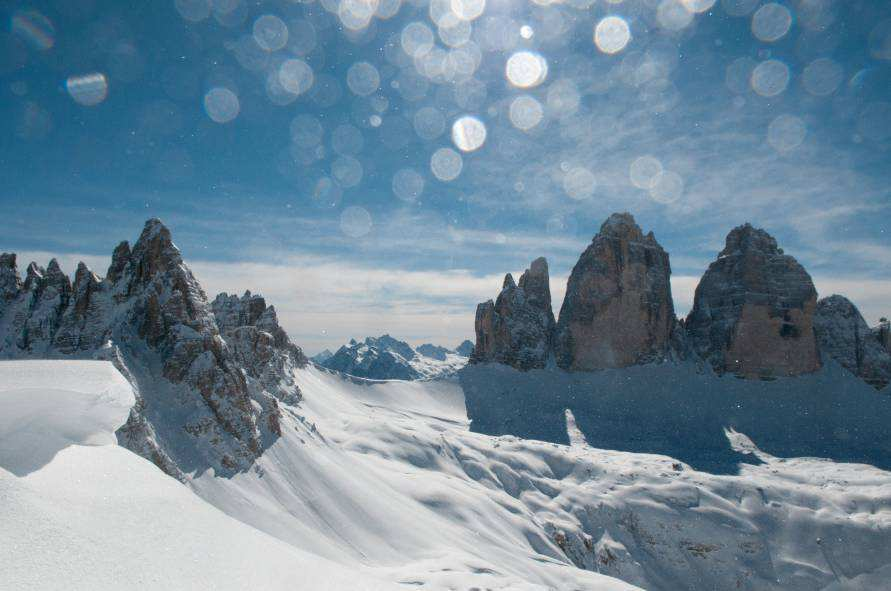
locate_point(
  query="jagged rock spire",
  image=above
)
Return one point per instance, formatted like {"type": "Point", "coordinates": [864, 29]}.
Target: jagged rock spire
{"type": "Point", "coordinates": [618, 309]}
{"type": "Point", "coordinates": [753, 310]}
{"type": "Point", "coordinates": [517, 328]}
{"type": "Point", "coordinates": [204, 400]}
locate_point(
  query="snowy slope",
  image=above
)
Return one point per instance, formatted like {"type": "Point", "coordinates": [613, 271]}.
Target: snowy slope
{"type": "Point", "coordinates": [384, 481]}
{"type": "Point", "coordinates": [79, 512]}
{"type": "Point", "coordinates": [389, 474]}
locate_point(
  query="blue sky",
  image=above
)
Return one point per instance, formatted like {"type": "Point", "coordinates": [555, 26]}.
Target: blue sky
{"type": "Point", "coordinates": [306, 149]}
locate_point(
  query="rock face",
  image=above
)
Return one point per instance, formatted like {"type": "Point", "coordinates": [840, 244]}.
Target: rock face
{"type": "Point", "coordinates": [843, 334]}
{"type": "Point", "coordinates": [618, 309]}
{"type": "Point", "coordinates": [753, 311]}
{"type": "Point", "coordinates": [259, 343]}
{"type": "Point", "coordinates": [204, 399]}
{"type": "Point", "coordinates": [882, 333]}
{"type": "Point", "coordinates": [517, 329]}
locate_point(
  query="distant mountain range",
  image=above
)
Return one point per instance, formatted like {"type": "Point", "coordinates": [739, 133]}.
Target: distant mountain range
{"type": "Point", "coordinates": [387, 358]}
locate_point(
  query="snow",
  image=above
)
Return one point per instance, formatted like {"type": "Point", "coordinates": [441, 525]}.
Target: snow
{"type": "Point", "coordinates": [92, 515]}
{"type": "Point", "coordinates": [384, 481]}
{"type": "Point", "coordinates": [49, 405]}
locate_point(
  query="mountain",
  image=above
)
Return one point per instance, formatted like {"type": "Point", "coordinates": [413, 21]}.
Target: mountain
{"type": "Point", "coordinates": [208, 378]}
{"type": "Point", "coordinates": [618, 309]}
{"type": "Point", "coordinates": [387, 358]}
{"type": "Point", "coordinates": [465, 349]}
{"type": "Point", "coordinates": [322, 357]}
{"type": "Point", "coordinates": [753, 311]}
{"type": "Point", "coordinates": [517, 329]}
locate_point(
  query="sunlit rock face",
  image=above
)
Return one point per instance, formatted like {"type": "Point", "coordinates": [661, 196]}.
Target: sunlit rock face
{"type": "Point", "coordinates": [517, 328]}
{"type": "Point", "coordinates": [206, 394]}
{"type": "Point", "coordinates": [259, 343]}
{"type": "Point", "coordinates": [618, 309]}
{"type": "Point", "coordinates": [843, 335]}
{"type": "Point", "coordinates": [753, 311]}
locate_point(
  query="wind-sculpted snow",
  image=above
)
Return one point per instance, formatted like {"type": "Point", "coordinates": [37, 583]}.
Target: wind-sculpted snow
{"type": "Point", "coordinates": [383, 481]}
{"type": "Point", "coordinates": [45, 406]}
{"type": "Point", "coordinates": [675, 410]}
{"type": "Point", "coordinates": [93, 516]}
{"type": "Point", "coordinates": [388, 473]}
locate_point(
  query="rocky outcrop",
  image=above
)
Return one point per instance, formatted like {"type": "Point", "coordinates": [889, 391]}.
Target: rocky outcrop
{"type": "Point", "coordinates": [843, 335]}
{"type": "Point", "coordinates": [753, 310]}
{"type": "Point", "coordinates": [882, 334]}
{"type": "Point", "coordinates": [517, 328]}
{"type": "Point", "coordinates": [259, 343]}
{"type": "Point", "coordinates": [206, 398]}
{"type": "Point", "coordinates": [618, 309]}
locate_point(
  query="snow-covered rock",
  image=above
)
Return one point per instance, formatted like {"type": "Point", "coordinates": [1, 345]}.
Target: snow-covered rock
{"type": "Point", "coordinates": [618, 309]}
{"type": "Point", "coordinates": [753, 310]}
{"type": "Point", "coordinates": [433, 351]}
{"type": "Point", "coordinates": [517, 329]}
{"type": "Point", "coordinates": [202, 402]}
{"type": "Point", "coordinates": [388, 358]}
{"type": "Point", "coordinates": [843, 335]}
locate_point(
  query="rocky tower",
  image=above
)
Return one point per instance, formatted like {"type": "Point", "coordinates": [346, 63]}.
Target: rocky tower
{"type": "Point", "coordinates": [843, 334]}
{"type": "Point", "coordinates": [882, 333]}
{"type": "Point", "coordinates": [618, 309]}
{"type": "Point", "coordinates": [753, 311]}
{"type": "Point", "coordinates": [517, 329]}
{"type": "Point", "coordinates": [202, 401]}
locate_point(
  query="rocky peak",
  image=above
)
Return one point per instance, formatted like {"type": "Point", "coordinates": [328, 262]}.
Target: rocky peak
{"type": "Point", "coordinates": [120, 258]}
{"type": "Point", "coordinates": [621, 226]}
{"type": "Point", "coordinates": [746, 238]}
{"type": "Point", "coordinates": [753, 310]}
{"type": "Point", "coordinates": [517, 329]}
{"type": "Point", "coordinates": [843, 335]}
{"type": "Point", "coordinates": [33, 275]}
{"type": "Point", "coordinates": [204, 400]}
{"type": "Point", "coordinates": [618, 309]}
{"type": "Point", "coordinates": [536, 285]}
{"type": "Point", "coordinates": [387, 343]}
{"type": "Point", "coordinates": [10, 282]}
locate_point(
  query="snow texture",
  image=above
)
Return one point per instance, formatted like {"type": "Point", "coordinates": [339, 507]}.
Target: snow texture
{"type": "Point", "coordinates": [95, 516]}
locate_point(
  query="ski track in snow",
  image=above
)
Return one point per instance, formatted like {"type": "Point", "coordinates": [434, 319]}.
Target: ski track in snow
{"type": "Point", "coordinates": [381, 485]}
